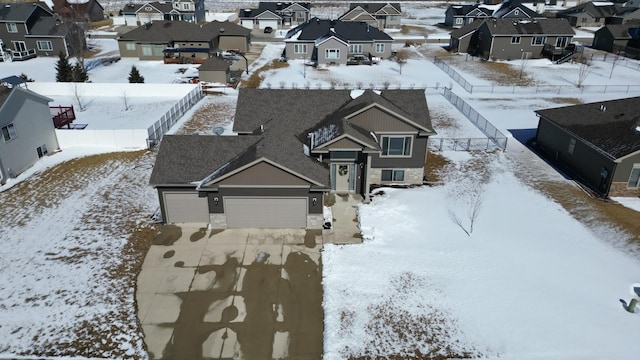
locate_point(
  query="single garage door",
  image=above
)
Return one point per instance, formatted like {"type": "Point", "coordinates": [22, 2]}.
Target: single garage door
{"type": "Point", "coordinates": [270, 23]}
{"type": "Point", "coordinates": [186, 207]}
{"type": "Point", "coordinates": [266, 212]}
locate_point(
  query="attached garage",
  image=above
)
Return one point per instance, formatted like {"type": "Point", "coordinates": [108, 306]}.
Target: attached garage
{"type": "Point", "coordinates": [185, 207]}
{"type": "Point", "coordinates": [266, 212]}
{"type": "Point", "coordinates": [272, 23]}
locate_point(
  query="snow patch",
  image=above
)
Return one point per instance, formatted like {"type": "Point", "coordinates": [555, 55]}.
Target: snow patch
{"type": "Point", "coordinates": [356, 93]}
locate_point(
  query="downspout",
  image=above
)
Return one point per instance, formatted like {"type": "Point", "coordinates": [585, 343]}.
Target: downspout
{"type": "Point", "coordinates": [2, 176]}
{"type": "Point", "coordinates": [367, 180]}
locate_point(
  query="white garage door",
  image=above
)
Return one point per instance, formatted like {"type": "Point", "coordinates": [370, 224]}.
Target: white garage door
{"type": "Point", "coordinates": [271, 23]}
{"type": "Point", "coordinates": [186, 208]}
{"type": "Point", "coordinates": [266, 212]}
{"type": "Point", "coordinates": [247, 24]}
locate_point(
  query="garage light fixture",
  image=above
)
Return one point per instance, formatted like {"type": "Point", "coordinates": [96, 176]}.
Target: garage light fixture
{"type": "Point", "coordinates": [216, 201]}
{"type": "Point", "coordinates": [314, 201]}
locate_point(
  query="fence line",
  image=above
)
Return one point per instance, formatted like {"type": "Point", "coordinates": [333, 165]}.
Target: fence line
{"type": "Point", "coordinates": [160, 127]}
{"type": "Point", "coordinates": [537, 89]}
{"type": "Point", "coordinates": [498, 138]}
{"type": "Point", "coordinates": [460, 144]}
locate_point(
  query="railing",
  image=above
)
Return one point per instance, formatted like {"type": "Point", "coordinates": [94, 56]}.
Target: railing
{"type": "Point", "coordinates": [160, 127]}
{"type": "Point", "coordinates": [453, 74]}
{"type": "Point", "coordinates": [499, 139]}
{"type": "Point", "coordinates": [62, 115]}
{"type": "Point", "coordinates": [23, 55]}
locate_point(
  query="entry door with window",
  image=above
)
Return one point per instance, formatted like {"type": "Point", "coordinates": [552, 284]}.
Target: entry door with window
{"type": "Point", "coordinates": [19, 46]}
{"type": "Point", "coordinates": [343, 177]}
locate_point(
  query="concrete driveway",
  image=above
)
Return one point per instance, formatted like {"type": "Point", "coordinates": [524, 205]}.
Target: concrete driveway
{"type": "Point", "coordinates": [231, 294]}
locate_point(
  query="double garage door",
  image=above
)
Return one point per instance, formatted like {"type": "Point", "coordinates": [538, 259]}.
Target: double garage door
{"type": "Point", "coordinates": [266, 212]}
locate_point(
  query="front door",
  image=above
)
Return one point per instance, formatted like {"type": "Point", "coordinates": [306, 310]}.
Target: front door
{"type": "Point", "coordinates": [19, 46]}
{"type": "Point", "coordinates": [343, 177]}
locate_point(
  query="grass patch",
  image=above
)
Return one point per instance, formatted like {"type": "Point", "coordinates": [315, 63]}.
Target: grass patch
{"type": "Point", "coordinates": [434, 167]}
{"type": "Point", "coordinates": [414, 30]}
{"type": "Point", "coordinates": [505, 74]}
{"type": "Point", "coordinates": [256, 78]}
{"type": "Point", "coordinates": [563, 100]}
{"type": "Point", "coordinates": [102, 23]}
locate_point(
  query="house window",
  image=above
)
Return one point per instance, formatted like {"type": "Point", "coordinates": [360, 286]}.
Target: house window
{"type": "Point", "coordinates": [185, 6]}
{"type": "Point", "coordinates": [597, 20]}
{"type": "Point", "coordinates": [572, 146]}
{"type": "Point", "coordinates": [379, 48]}
{"type": "Point", "coordinates": [459, 21]}
{"type": "Point", "coordinates": [355, 48]}
{"type": "Point", "coordinates": [158, 50]}
{"type": "Point", "coordinates": [538, 40]}
{"type": "Point", "coordinates": [584, 20]}
{"type": "Point", "coordinates": [44, 45]}
{"type": "Point", "coordinates": [147, 50]}
{"type": "Point", "coordinates": [561, 42]}
{"type": "Point", "coordinates": [515, 39]}
{"type": "Point", "coordinates": [130, 46]}
{"type": "Point", "coordinates": [299, 48]}
{"type": "Point", "coordinates": [392, 175]}
{"type": "Point", "coordinates": [9, 132]}
{"type": "Point", "coordinates": [42, 150]}
{"type": "Point", "coordinates": [634, 178]}
{"type": "Point", "coordinates": [396, 145]}
{"type": "Point", "coordinates": [12, 27]}
{"type": "Point", "coordinates": [332, 54]}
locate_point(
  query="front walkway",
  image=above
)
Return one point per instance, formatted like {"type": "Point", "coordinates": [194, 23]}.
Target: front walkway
{"type": "Point", "coordinates": [240, 293]}
{"type": "Point", "coordinates": [346, 224]}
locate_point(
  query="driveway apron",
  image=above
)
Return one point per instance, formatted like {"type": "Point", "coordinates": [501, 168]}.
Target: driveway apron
{"type": "Point", "coordinates": [232, 294]}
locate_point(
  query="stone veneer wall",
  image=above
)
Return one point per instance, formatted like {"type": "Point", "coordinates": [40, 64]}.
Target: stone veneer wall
{"type": "Point", "coordinates": [315, 221]}
{"type": "Point", "coordinates": [218, 221]}
{"type": "Point", "coordinates": [412, 176]}
{"type": "Point", "coordinates": [620, 189]}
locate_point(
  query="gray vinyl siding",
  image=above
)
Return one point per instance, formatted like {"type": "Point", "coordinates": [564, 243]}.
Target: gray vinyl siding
{"type": "Point", "coordinates": [263, 174]}
{"type": "Point", "coordinates": [623, 170]}
{"type": "Point", "coordinates": [344, 144]}
{"type": "Point", "coordinates": [417, 159]}
{"type": "Point", "coordinates": [233, 43]}
{"type": "Point", "coordinates": [585, 160]}
{"type": "Point", "coordinates": [57, 44]}
{"type": "Point", "coordinates": [381, 121]}
{"type": "Point", "coordinates": [264, 192]}
{"type": "Point", "coordinates": [504, 50]}
{"type": "Point", "coordinates": [292, 55]}
{"type": "Point", "coordinates": [33, 124]}
{"type": "Point", "coordinates": [216, 76]}
{"type": "Point", "coordinates": [332, 44]}
{"type": "Point", "coordinates": [122, 46]}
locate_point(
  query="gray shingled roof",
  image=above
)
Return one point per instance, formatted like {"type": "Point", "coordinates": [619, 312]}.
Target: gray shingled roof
{"type": "Point", "coordinates": [18, 12]}
{"type": "Point", "coordinates": [49, 26]}
{"type": "Point", "coordinates": [467, 29]}
{"type": "Point", "coordinates": [504, 27]}
{"type": "Point", "coordinates": [603, 10]}
{"type": "Point", "coordinates": [509, 6]}
{"type": "Point", "coordinates": [612, 130]}
{"type": "Point", "coordinates": [347, 30]}
{"type": "Point", "coordinates": [184, 159]}
{"type": "Point", "coordinates": [618, 31]}
{"type": "Point", "coordinates": [228, 28]}
{"type": "Point", "coordinates": [213, 64]}
{"type": "Point", "coordinates": [372, 8]}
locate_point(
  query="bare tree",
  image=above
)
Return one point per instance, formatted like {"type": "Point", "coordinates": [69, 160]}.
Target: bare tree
{"type": "Point", "coordinates": [456, 220]}
{"type": "Point", "coordinates": [78, 96]}
{"type": "Point", "coordinates": [475, 205]}
{"type": "Point", "coordinates": [616, 58]}
{"type": "Point", "coordinates": [583, 69]}
{"type": "Point", "coordinates": [401, 58]}
{"type": "Point", "coordinates": [125, 99]}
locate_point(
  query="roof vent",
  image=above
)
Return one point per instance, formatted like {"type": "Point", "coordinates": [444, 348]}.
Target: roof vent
{"type": "Point", "coordinates": [221, 30]}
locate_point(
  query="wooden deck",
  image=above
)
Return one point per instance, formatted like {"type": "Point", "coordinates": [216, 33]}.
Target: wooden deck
{"type": "Point", "coordinates": [62, 116]}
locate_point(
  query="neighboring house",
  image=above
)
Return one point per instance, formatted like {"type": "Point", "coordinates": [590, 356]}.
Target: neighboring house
{"type": "Point", "coordinates": [293, 147]}
{"type": "Point", "coordinates": [327, 42]}
{"type": "Point", "coordinates": [176, 10]}
{"type": "Point", "coordinates": [274, 15]}
{"type": "Point", "coordinates": [590, 14]}
{"type": "Point", "coordinates": [612, 38]}
{"type": "Point", "coordinates": [460, 39]}
{"type": "Point", "coordinates": [626, 15]}
{"type": "Point", "coordinates": [459, 15]}
{"type": "Point", "coordinates": [26, 130]}
{"type": "Point", "coordinates": [599, 142]}
{"type": "Point", "coordinates": [182, 42]}
{"type": "Point", "coordinates": [28, 30]}
{"type": "Point", "coordinates": [514, 9]}
{"type": "Point", "coordinates": [215, 70]}
{"type": "Point", "coordinates": [508, 39]}
{"type": "Point", "coordinates": [380, 15]}
{"type": "Point", "coordinates": [79, 10]}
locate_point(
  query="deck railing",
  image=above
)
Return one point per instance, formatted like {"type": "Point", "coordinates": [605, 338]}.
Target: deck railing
{"type": "Point", "coordinates": [62, 116]}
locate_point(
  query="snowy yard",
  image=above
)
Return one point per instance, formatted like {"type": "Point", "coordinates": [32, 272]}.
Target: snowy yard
{"type": "Point", "coordinates": [539, 276]}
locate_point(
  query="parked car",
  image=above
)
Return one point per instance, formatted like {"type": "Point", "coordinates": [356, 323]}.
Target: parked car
{"type": "Point", "coordinates": [268, 30]}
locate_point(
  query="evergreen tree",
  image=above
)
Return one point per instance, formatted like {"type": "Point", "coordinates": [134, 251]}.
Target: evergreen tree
{"type": "Point", "coordinates": [134, 76]}
{"type": "Point", "coordinates": [63, 69]}
{"type": "Point", "coordinates": [79, 74]}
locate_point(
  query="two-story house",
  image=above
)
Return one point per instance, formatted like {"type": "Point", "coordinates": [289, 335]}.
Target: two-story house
{"type": "Point", "coordinates": [293, 147]}
{"type": "Point", "coordinates": [591, 14]}
{"type": "Point", "coordinates": [176, 10]}
{"type": "Point", "coordinates": [458, 16]}
{"type": "Point", "coordinates": [27, 131]}
{"type": "Point", "coordinates": [79, 10]}
{"type": "Point", "coordinates": [328, 42]}
{"type": "Point", "coordinates": [274, 15]}
{"type": "Point", "coordinates": [28, 30]}
{"type": "Point", "coordinates": [380, 15]}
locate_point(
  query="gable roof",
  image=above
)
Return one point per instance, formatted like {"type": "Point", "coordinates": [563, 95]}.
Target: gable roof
{"type": "Point", "coordinates": [272, 7]}
{"type": "Point", "coordinates": [166, 31]}
{"type": "Point", "coordinates": [214, 64]}
{"type": "Point", "coordinates": [373, 8]}
{"type": "Point", "coordinates": [20, 12]}
{"type": "Point", "coordinates": [50, 26]}
{"type": "Point", "coordinates": [346, 30]}
{"type": "Point", "coordinates": [613, 130]}
{"type": "Point", "coordinates": [226, 28]}
{"type": "Point", "coordinates": [504, 27]}
{"type": "Point", "coordinates": [617, 31]}
{"type": "Point", "coordinates": [466, 29]}
{"type": "Point", "coordinates": [508, 7]}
